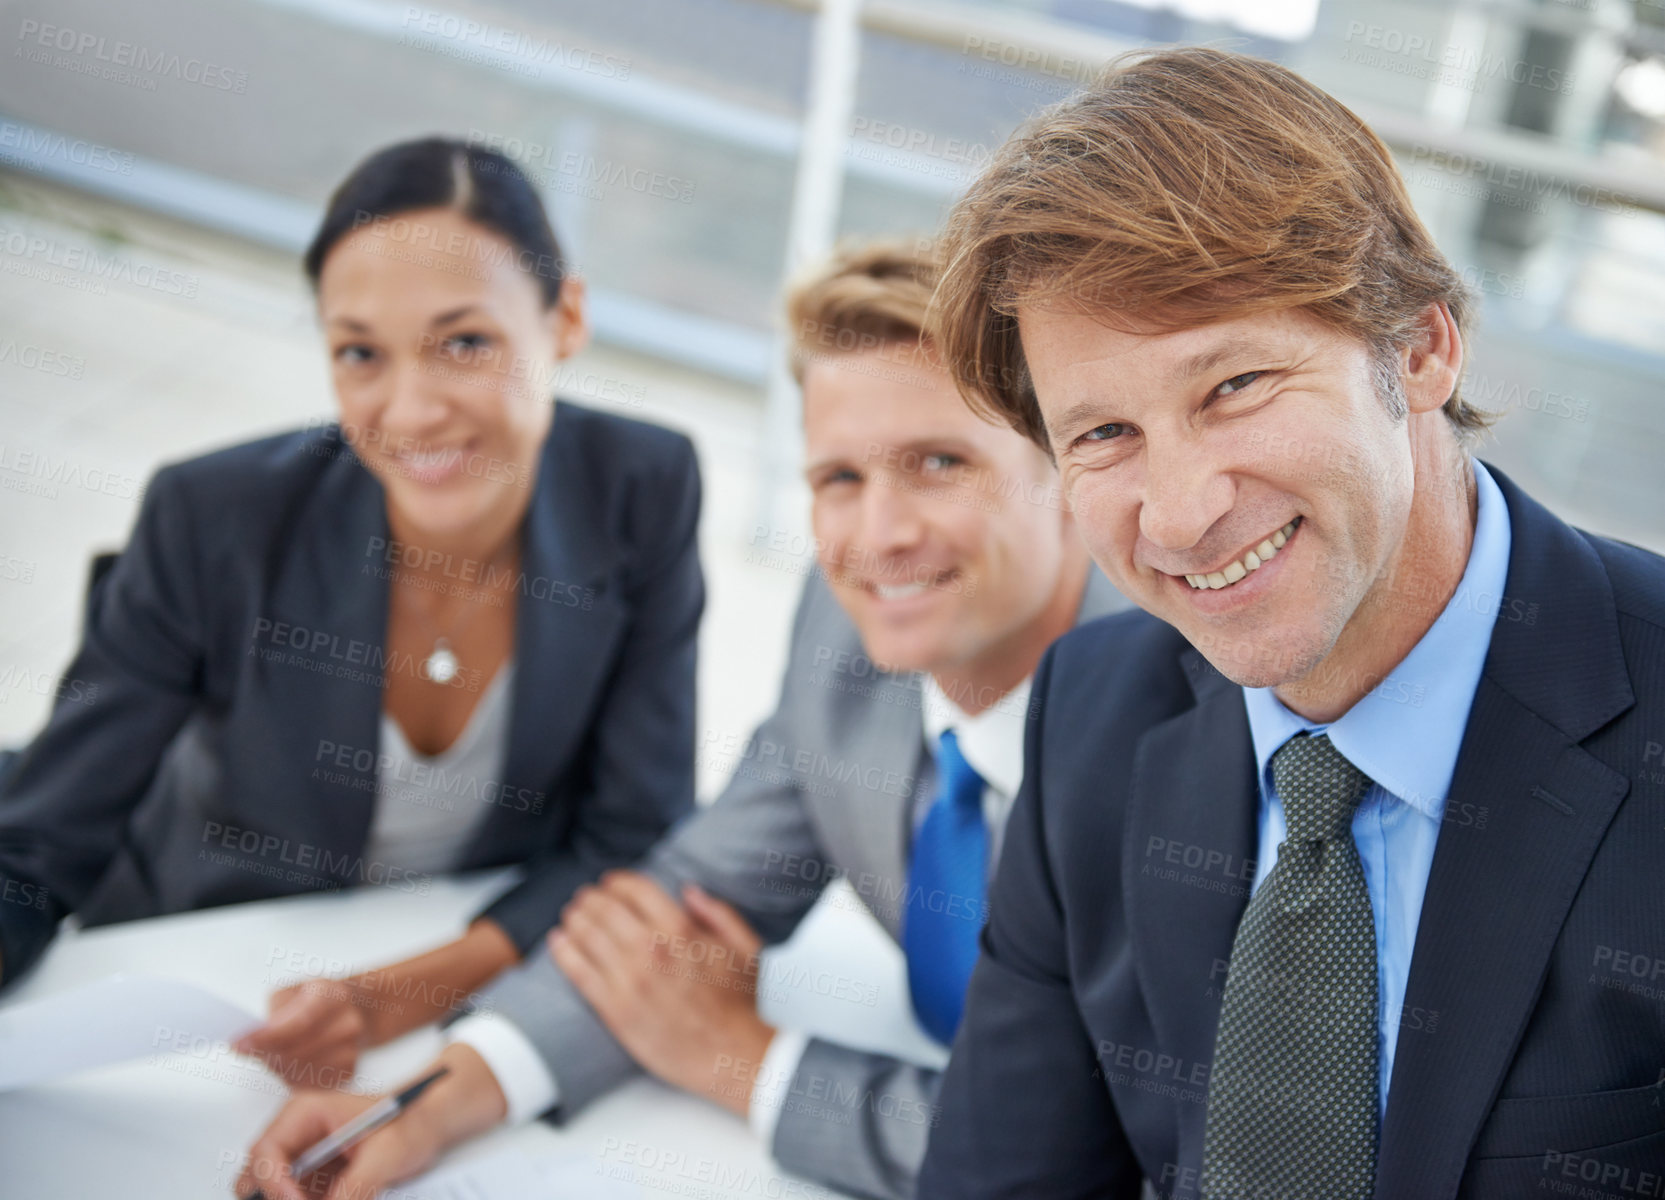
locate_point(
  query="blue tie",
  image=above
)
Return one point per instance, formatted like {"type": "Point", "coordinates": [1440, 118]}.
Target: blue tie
{"type": "Point", "coordinates": [947, 882]}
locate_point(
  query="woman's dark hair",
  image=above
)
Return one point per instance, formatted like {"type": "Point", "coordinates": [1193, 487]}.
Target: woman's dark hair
{"type": "Point", "coordinates": [437, 172]}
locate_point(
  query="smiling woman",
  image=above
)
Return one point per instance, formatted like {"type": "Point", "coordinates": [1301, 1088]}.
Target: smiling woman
{"type": "Point", "coordinates": [453, 630]}
{"type": "Point", "coordinates": [445, 301]}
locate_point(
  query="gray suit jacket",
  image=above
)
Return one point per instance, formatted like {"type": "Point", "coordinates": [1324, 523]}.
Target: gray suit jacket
{"type": "Point", "coordinates": [825, 787]}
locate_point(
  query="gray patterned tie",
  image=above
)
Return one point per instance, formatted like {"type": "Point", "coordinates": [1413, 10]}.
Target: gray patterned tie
{"type": "Point", "coordinates": [1292, 1094]}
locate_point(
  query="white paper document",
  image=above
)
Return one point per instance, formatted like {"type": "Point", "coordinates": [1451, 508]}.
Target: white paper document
{"type": "Point", "coordinates": [516, 1175]}
{"type": "Point", "coordinates": [111, 1021]}
{"type": "Point", "coordinates": [493, 1177]}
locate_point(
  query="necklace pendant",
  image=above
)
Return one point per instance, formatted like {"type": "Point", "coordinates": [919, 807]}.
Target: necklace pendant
{"type": "Point", "coordinates": [441, 666]}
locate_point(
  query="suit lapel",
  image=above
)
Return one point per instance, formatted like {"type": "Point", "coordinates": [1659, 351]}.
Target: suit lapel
{"type": "Point", "coordinates": [569, 617]}
{"type": "Point", "coordinates": [882, 726]}
{"type": "Point", "coordinates": [900, 742]}
{"type": "Point", "coordinates": [325, 676]}
{"type": "Point", "coordinates": [324, 671]}
{"type": "Point", "coordinates": [1188, 863]}
{"type": "Point", "coordinates": [1497, 897]}
{"type": "Point", "coordinates": [1498, 893]}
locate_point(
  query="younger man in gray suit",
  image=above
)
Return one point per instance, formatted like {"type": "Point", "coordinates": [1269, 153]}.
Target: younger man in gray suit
{"type": "Point", "coordinates": [947, 565]}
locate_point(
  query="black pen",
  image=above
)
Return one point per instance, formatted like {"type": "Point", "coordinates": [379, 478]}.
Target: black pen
{"type": "Point", "coordinates": [356, 1130]}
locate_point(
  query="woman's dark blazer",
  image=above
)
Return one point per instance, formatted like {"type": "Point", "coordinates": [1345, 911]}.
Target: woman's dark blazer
{"type": "Point", "coordinates": [215, 737]}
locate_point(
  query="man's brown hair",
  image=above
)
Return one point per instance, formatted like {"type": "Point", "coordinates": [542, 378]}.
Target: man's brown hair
{"type": "Point", "coordinates": [866, 295]}
{"type": "Point", "coordinates": [1187, 186]}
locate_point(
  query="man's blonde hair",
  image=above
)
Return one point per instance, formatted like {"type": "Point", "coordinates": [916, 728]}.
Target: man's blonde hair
{"type": "Point", "coordinates": [867, 295]}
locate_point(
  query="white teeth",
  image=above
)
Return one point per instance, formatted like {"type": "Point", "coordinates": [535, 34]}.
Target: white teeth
{"type": "Point", "coordinates": [1252, 561]}
{"type": "Point", "coordinates": [897, 591]}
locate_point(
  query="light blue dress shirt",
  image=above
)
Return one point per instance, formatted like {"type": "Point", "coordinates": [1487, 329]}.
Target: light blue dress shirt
{"type": "Point", "coordinates": [1404, 734]}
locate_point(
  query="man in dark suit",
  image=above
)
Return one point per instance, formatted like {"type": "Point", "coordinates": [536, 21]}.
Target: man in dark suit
{"type": "Point", "coordinates": [1334, 873]}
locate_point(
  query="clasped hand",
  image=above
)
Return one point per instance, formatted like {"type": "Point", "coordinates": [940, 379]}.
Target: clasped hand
{"type": "Point", "coordinates": [676, 984]}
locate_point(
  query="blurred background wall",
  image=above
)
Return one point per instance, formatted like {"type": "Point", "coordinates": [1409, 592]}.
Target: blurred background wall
{"type": "Point", "coordinates": [161, 165]}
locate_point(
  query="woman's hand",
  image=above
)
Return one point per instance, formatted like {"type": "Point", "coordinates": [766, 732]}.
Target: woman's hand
{"type": "Point", "coordinates": [465, 1103]}
{"type": "Point", "coordinates": [316, 1030]}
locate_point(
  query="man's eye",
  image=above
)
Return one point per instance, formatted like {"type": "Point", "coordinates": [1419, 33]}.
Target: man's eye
{"type": "Point", "coordinates": [941, 462]}
{"type": "Point", "coordinates": [1238, 382]}
{"type": "Point", "coordinates": [353, 354]}
{"type": "Point", "coordinates": [1104, 433]}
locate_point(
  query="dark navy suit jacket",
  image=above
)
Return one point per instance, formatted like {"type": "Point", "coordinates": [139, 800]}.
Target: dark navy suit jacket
{"type": "Point", "coordinates": [215, 736]}
{"type": "Point", "coordinates": [1531, 1053]}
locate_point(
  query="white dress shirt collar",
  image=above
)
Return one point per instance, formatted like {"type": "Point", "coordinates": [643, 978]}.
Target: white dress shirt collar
{"type": "Point", "coordinates": [992, 741]}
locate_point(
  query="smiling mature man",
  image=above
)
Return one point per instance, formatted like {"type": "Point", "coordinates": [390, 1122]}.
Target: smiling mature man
{"type": "Point", "coordinates": [1321, 863]}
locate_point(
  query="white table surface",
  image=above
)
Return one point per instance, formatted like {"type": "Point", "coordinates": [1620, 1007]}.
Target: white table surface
{"type": "Point", "coordinates": [176, 1125]}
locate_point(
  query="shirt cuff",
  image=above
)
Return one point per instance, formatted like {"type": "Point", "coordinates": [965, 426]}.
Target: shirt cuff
{"type": "Point", "coordinates": [774, 1083]}
{"type": "Point", "coordinates": [528, 1084]}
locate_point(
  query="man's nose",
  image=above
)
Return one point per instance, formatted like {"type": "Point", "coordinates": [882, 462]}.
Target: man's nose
{"type": "Point", "coordinates": [1185, 493]}
{"type": "Point", "coordinates": [890, 517]}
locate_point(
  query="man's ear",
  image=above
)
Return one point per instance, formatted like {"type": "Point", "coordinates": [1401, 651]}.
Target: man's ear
{"type": "Point", "coordinates": [1433, 362]}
